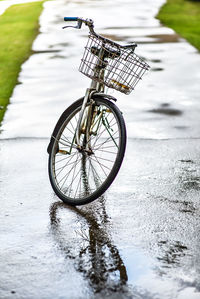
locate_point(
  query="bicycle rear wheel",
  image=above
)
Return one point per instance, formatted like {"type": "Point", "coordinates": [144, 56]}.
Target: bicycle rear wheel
{"type": "Point", "coordinates": [77, 176]}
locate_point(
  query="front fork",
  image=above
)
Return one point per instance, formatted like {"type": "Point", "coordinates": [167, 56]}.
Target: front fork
{"type": "Point", "coordinates": [84, 123]}
{"type": "Point", "coordinates": [94, 88]}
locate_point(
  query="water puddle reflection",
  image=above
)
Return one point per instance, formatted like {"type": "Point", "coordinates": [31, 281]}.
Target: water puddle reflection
{"type": "Point", "coordinates": [189, 179]}
{"type": "Point", "coordinates": [95, 255]}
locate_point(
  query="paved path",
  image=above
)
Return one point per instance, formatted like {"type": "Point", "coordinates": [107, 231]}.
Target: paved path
{"type": "Point", "coordinates": [141, 240]}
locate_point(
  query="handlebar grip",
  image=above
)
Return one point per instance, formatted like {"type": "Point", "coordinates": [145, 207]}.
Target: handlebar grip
{"type": "Point", "coordinates": [68, 19]}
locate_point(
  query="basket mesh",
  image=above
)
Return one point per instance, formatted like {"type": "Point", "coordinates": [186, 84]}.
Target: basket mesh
{"type": "Point", "coordinates": [122, 67]}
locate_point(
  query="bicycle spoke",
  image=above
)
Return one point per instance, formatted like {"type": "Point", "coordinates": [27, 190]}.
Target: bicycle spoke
{"type": "Point", "coordinates": [107, 152]}
{"type": "Point", "coordinates": [74, 177]}
{"type": "Point", "coordinates": [104, 159]}
{"type": "Point", "coordinates": [63, 167]}
{"type": "Point", "coordinates": [78, 185]}
{"type": "Point", "coordinates": [64, 158]}
{"type": "Point", "coordinates": [65, 139]}
{"type": "Point", "coordinates": [95, 173]}
{"type": "Point", "coordinates": [100, 134]}
{"type": "Point", "coordinates": [101, 165]}
{"type": "Point", "coordinates": [107, 140]}
{"type": "Point", "coordinates": [67, 175]}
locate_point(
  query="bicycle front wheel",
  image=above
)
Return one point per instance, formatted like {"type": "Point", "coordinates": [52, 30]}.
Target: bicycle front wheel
{"type": "Point", "coordinates": [77, 176]}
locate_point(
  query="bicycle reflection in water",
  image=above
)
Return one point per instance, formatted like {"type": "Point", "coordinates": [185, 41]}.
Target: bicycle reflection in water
{"type": "Point", "coordinates": [97, 258]}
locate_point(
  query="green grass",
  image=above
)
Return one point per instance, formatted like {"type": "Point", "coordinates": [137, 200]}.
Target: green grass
{"type": "Point", "coordinates": [19, 27]}
{"type": "Point", "coordinates": [184, 17]}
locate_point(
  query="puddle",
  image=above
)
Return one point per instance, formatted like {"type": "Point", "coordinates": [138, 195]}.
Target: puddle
{"type": "Point", "coordinates": [181, 127]}
{"type": "Point", "coordinates": [46, 51]}
{"type": "Point", "coordinates": [166, 38]}
{"type": "Point", "coordinates": [166, 110]}
{"type": "Point", "coordinates": [156, 69]}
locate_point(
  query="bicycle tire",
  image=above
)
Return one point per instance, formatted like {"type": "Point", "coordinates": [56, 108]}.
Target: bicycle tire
{"type": "Point", "coordinates": [86, 180]}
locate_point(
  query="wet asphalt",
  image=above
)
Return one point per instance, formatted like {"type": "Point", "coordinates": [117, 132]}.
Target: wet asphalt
{"type": "Point", "coordinates": [141, 238]}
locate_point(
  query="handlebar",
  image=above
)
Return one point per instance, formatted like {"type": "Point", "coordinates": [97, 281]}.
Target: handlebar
{"type": "Point", "coordinates": [80, 21]}
{"type": "Point", "coordinates": [90, 24]}
{"type": "Point", "coordinates": [68, 19]}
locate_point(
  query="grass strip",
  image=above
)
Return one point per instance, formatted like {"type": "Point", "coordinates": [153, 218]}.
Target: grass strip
{"type": "Point", "coordinates": [19, 27]}
{"type": "Point", "coordinates": [184, 17]}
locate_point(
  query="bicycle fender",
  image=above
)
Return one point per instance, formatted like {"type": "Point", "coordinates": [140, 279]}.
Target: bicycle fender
{"type": "Point", "coordinates": [104, 95]}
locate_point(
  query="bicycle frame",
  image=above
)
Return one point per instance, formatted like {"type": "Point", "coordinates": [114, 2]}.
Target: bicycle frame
{"type": "Point", "coordinates": [95, 87]}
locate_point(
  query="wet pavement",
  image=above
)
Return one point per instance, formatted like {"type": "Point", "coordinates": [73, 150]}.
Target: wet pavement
{"type": "Point", "coordinates": [139, 240]}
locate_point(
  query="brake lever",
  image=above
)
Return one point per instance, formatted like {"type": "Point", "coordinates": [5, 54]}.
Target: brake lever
{"type": "Point", "coordinates": [78, 26]}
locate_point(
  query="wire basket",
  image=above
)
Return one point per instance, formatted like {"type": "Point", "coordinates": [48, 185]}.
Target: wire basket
{"type": "Point", "coordinates": [109, 63]}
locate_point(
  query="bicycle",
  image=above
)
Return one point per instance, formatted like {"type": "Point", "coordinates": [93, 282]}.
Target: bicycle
{"type": "Point", "coordinates": [88, 143]}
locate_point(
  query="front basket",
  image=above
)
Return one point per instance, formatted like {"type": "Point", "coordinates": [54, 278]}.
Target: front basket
{"type": "Point", "coordinates": [122, 67]}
